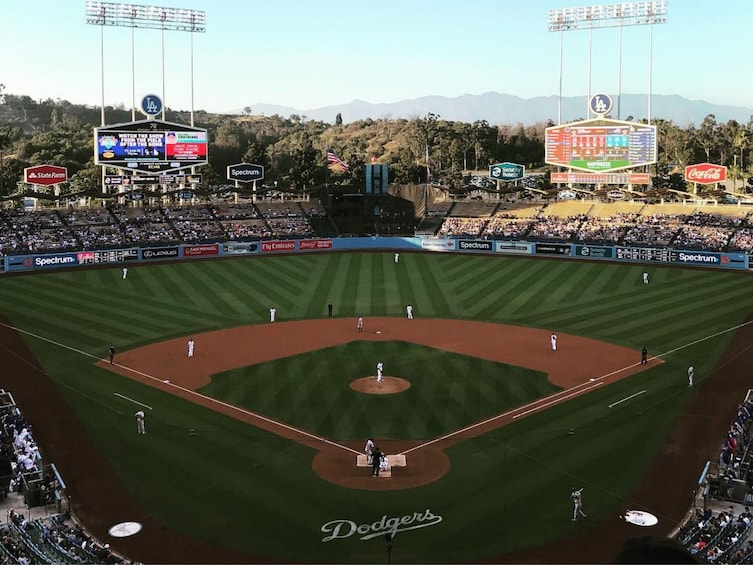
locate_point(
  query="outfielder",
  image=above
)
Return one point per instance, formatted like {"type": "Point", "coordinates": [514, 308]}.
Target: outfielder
{"type": "Point", "coordinates": [397, 257]}
{"type": "Point", "coordinates": [380, 368]}
{"type": "Point", "coordinates": [141, 422]}
{"type": "Point", "coordinates": [645, 278]}
{"type": "Point", "coordinates": [125, 273]}
{"type": "Point", "coordinates": [575, 495]}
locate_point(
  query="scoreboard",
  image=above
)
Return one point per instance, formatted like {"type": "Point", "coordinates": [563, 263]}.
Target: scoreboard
{"type": "Point", "coordinates": [600, 145]}
{"type": "Point", "coordinates": [111, 256]}
{"type": "Point", "coordinates": [151, 145]}
{"type": "Point", "coordinates": [646, 254]}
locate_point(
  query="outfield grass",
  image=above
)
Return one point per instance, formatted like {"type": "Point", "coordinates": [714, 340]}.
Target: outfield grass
{"type": "Point", "coordinates": [242, 487]}
{"type": "Point", "coordinates": [311, 391]}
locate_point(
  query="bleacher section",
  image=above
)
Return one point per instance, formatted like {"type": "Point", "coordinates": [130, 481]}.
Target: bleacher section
{"type": "Point", "coordinates": [717, 228]}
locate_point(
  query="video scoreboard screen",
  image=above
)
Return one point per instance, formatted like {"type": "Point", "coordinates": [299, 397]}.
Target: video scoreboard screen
{"type": "Point", "coordinates": [136, 145]}
{"type": "Point", "coordinates": [600, 145]}
{"type": "Point", "coordinates": [109, 256]}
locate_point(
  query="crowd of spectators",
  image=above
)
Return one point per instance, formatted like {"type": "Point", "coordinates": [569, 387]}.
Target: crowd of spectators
{"type": "Point", "coordinates": [88, 228]}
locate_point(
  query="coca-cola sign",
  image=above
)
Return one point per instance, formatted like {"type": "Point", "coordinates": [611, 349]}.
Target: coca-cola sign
{"type": "Point", "coordinates": [705, 173]}
{"type": "Point", "coordinates": [46, 175]}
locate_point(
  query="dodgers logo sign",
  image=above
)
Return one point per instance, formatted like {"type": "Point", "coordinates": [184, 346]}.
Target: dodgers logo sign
{"type": "Point", "coordinates": [151, 104]}
{"type": "Point", "coordinates": [339, 529]}
{"type": "Point", "coordinates": [600, 104]}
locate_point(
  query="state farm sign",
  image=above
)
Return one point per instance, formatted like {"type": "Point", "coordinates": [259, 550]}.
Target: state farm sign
{"type": "Point", "coordinates": [45, 175]}
{"type": "Point", "coordinates": [705, 173]}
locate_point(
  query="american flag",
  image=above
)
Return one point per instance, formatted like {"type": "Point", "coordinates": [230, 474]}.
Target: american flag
{"type": "Point", "coordinates": [332, 158]}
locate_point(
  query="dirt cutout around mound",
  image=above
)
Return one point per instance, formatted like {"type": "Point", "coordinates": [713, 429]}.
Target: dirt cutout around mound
{"type": "Point", "coordinates": [388, 385]}
{"type": "Point", "coordinates": [578, 366]}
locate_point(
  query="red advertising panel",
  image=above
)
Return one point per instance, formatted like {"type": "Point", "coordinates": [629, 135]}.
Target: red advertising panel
{"type": "Point", "coordinates": [199, 250]}
{"type": "Point", "coordinates": [601, 178]}
{"type": "Point", "coordinates": [705, 173]}
{"type": "Point", "coordinates": [315, 244]}
{"type": "Point", "coordinates": [268, 246]}
{"type": "Point", "coordinates": [46, 175]}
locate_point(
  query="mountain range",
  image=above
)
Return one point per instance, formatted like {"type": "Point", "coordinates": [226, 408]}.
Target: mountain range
{"type": "Point", "coordinates": [498, 109]}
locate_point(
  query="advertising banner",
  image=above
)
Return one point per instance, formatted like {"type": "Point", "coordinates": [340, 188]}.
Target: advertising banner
{"type": "Point", "coordinates": [160, 252]}
{"type": "Point", "coordinates": [594, 251]}
{"type": "Point", "coordinates": [553, 249]}
{"type": "Point", "coordinates": [45, 175]}
{"type": "Point", "coordinates": [705, 173]}
{"type": "Point", "coordinates": [474, 245]}
{"type": "Point", "coordinates": [200, 250]}
{"type": "Point", "coordinates": [309, 244]}
{"type": "Point", "coordinates": [55, 260]}
{"type": "Point", "coordinates": [239, 248]}
{"type": "Point", "coordinates": [438, 244]}
{"type": "Point", "coordinates": [513, 247]}
{"type": "Point", "coordinates": [277, 246]}
{"type": "Point", "coordinates": [683, 257]}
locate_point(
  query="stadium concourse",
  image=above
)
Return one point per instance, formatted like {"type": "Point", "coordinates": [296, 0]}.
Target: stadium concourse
{"type": "Point", "coordinates": [685, 226]}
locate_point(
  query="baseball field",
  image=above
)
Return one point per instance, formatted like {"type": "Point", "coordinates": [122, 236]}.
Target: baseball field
{"type": "Point", "coordinates": [251, 445]}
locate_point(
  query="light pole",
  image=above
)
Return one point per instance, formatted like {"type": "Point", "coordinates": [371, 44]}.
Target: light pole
{"type": "Point", "coordinates": [148, 17]}
{"type": "Point", "coordinates": [647, 12]}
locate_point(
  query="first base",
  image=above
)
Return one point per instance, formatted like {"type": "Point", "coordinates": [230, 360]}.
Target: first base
{"type": "Point", "coordinates": [378, 332]}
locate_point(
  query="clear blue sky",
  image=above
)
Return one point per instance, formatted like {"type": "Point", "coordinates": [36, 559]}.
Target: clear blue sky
{"type": "Point", "coordinates": [312, 53]}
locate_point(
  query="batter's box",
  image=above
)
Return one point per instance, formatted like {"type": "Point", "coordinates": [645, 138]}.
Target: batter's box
{"type": "Point", "coordinates": [393, 460]}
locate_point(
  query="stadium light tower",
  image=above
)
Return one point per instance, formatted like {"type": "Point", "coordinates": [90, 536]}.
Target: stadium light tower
{"type": "Point", "coordinates": [149, 17]}
{"type": "Point", "coordinates": [647, 12]}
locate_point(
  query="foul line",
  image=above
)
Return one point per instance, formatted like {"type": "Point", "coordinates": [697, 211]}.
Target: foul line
{"type": "Point", "coordinates": [132, 400]}
{"type": "Point", "coordinates": [530, 406]}
{"type": "Point", "coordinates": [628, 398]}
{"type": "Point", "coordinates": [187, 390]}
{"type": "Point", "coordinates": [576, 393]}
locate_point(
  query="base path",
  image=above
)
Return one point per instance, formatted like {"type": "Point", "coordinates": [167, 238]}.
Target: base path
{"type": "Point", "coordinates": [578, 366]}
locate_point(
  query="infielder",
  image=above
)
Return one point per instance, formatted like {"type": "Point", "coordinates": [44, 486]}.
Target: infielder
{"type": "Point", "coordinates": [190, 346]}
{"type": "Point", "coordinates": [691, 374]}
{"type": "Point", "coordinates": [553, 340]}
{"type": "Point", "coordinates": [359, 324]}
{"type": "Point", "coordinates": [141, 422]}
{"type": "Point", "coordinates": [125, 273]}
{"type": "Point", "coordinates": [575, 495]}
{"type": "Point", "coordinates": [272, 314]}
{"type": "Point", "coordinates": [380, 368]}
{"type": "Point", "coordinates": [409, 311]}
{"type": "Point", "coordinates": [645, 278]}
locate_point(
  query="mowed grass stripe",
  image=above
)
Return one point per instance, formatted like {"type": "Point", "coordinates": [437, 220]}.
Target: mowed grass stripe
{"type": "Point", "coordinates": [379, 291]}
{"type": "Point", "coordinates": [613, 313]}
{"type": "Point", "coordinates": [224, 281]}
{"type": "Point", "coordinates": [481, 282]}
{"type": "Point", "coordinates": [183, 280]}
{"type": "Point", "coordinates": [255, 305]}
{"type": "Point", "coordinates": [427, 287]}
{"type": "Point", "coordinates": [268, 288]}
{"type": "Point", "coordinates": [544, 289]}
{"type": "Point", "coordinates": [351, 290]}
{"type": "Point", "coordinates": [476, 273]}
{"type": "Point", "coordinates": [650, 300]}
{"type": "Point", "coordinates": [79, 315]}
{"type": "Point", "coordinates": [517, 284]}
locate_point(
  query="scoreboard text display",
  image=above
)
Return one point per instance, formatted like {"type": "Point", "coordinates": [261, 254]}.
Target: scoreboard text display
{"type": "Point", "coordinates": [600, 145]}
{"type": "Point", "coordinates": [150, 145]}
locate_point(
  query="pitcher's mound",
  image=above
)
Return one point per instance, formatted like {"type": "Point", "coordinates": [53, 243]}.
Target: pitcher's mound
{"type": "Point", "coordinates": [389, 385]}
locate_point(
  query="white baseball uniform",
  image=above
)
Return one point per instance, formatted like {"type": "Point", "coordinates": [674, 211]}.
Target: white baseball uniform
{"type": "Point", "coordinates": [553, 339]}
{"type": "Point", "coordinates": [141, 422]}
{"type": "Point", "coordinates": [397, 257]}
{"type": "Point", "coordinates": [575, 495]}
{"type": "Point", "coordinates": [409, 311]}
{"type": "Point", "coordinates": [190, 347]}
{"type": "Point", "coordinates": [272, 314]}
{"type": "Point", "coordinates": [691, 374]}
{"type": "Point", "coordinates": [380, 368]}
{"type": "Point", "coordinates": [645, 278]}
{"type": "Point", "coordinates": [125, 272]}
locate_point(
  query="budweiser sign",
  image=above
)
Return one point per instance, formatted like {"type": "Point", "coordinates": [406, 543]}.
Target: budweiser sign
{"type": "Point", "coordinates": [45, 175]}
{"type": "Point", "coordinates": [705, 173]}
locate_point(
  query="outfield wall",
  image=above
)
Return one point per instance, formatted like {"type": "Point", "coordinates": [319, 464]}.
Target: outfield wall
{"type": "Point", "coordinates": [615, 253]}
